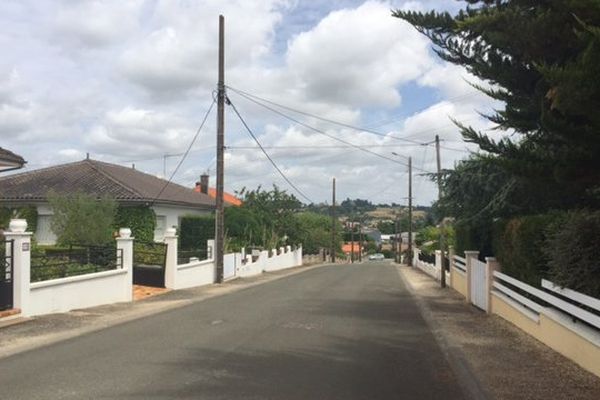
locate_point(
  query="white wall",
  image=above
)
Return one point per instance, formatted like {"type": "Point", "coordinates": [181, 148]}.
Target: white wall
{"type": "Point", "coordinates": [196, 273]}
{"type": "Point", "coordinates": [62, 295]}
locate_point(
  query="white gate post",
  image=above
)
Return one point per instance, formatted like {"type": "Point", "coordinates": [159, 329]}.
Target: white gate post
{"type": "Point", "coordinates": [451, 265]}
{"type": "Point", "coordinates": [21, 263]}
{"type": "Point", "coordinates": [469, 256]}
{"type": "Point", "coordinates": [491, 265]}
{"type": "Point", "coordinates": [125, 246]}
{"type": "Point", "coordinates": [171, 262]}
{"type": "Point", "coordinates": [439, 263]}
{"type": "Point", "coordinates": [415, 255]}
{"type": "Point", "coordinates": [210, 247]}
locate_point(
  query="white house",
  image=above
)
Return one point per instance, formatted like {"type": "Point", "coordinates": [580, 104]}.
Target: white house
{"type": "Point", "coordinates": [128, 186]}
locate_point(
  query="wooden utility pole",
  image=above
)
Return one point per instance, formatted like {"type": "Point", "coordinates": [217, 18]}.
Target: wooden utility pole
{"type": "Point", "coordinates": [442, 239]}
{"type": "Point", "coordinates": [220, 217]}
{"type": "Point", "coordinates": [360, 241]}
{"type": "Point", "coordinates": [410, 222]}
{"type": "Point", "coordinates": [333, 225]}
{"type": "Point", "coordinates": [352, 240]}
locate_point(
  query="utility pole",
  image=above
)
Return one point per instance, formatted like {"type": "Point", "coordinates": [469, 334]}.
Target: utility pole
{"type": "Point", "coordinates": [360, 241]}
{"type": "Point", "coordinates": [442, 239]}
{"type": "Point", "coordinates": [333, 225]}
{"type": "Point", "coordinates": [220, 217]}
{"type": "Point", "coordinates": [165, 166]}
{"type": "Point", "coordinates": [410, 222]}
{"type": "Point", "coordinates": [352, 240]}
{"type": "Point", "coordinates": [395, 240]}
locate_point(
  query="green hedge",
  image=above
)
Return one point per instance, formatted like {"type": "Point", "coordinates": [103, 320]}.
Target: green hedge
{"type": "Point", "coordinates": [573, 250]}
{"type": "Point", "coordinates": [194, 231]}
{"type": "Point", "coordinates": [519, 246]}
{"type": "Point", "coordinates": [140, 219]}
{"type": "Point", "coordinates": [476, 235]}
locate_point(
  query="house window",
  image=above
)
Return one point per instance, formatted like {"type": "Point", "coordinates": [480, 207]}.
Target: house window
{"type": "Point", "coordinates": [44, 234]}
{"type": "Point", "coordinates": [159, 231]}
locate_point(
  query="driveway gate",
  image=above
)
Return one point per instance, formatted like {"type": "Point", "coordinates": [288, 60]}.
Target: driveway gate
{"type": "Point", "coordinates": [478, 284]}
{"type": "Point", "coordinates": [149, 261]}
{"type": "Point", "coordinates": [6, 274]}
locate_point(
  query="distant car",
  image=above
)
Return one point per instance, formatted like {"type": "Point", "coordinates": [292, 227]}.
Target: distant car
{"type": "Point", "coordinates": [377, 257]}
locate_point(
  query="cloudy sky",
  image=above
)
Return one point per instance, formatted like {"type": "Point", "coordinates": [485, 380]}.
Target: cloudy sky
{"type": "Point", "coordinates": [130, 81]}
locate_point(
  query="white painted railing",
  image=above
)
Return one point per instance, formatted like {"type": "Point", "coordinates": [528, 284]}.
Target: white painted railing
{"type": "Point", "coordinates": [500, 285]}
{"type": "Point", "coordinates": [460, 264]}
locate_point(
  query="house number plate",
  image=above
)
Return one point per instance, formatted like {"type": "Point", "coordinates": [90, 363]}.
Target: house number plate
{"type": "Point", "coordinates": [25, 247]}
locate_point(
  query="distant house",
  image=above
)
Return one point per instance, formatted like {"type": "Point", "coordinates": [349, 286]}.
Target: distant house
{"type": "Point", "coordinates": [348, 247]}
{"type": "Point", "coordinates": [228, 198]}
{"type": "Point", "coordinates": [10, 161]}
{"type": "Point", "coordinates": [127, 186]}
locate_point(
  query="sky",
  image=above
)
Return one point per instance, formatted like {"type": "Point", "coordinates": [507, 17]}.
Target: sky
{"type": "Point", "coordinates": [129, 82]}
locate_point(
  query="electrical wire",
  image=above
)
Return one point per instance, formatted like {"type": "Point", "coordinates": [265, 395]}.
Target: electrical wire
{"type": "Point", "coordinates": [257, 99]}
{"type": "Point", "coordinates": [328, 135]}
{"type": "Point", "coordinates": [185, 154]}
{"type": "Point", "coordinates": [265, 152]}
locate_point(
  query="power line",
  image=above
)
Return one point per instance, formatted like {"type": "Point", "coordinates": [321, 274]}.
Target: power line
{"type": "Point", "coordinates": [314, 147]}
{"type": "Point", "coordinates": [186, 153]}
{"type": "Point", "coordinates": [256, 99]}
{"type": "Point", "coordinates": [265, 152]}
{"type": "Point", "coordinates": [326, 134]}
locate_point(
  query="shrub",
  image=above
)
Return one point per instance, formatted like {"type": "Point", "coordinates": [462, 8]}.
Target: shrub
{"type": "Point", "coordinates": [474, 235]}
{"type": "Point", "coordinates": [519, 244]}
{"type": "Point", "coordinates": [195, 231]}
{"type": "Point", "coordinates": [140, 219]}
{"type": "Point", "coordinates": [573, 250]}
{"type": "Point", "coordinates": [81, 218]}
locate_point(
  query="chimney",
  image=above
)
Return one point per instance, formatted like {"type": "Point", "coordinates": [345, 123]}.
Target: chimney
{"type": "Point", "coordinates": [203, 184]}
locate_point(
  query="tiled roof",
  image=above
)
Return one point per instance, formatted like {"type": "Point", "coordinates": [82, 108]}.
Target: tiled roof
{"type": "Point", "coordinates": [98, 178]}
{"type": "Point", "coordinates": [228, 198]}
{"type": "Point", "coordinates": [8, 157]}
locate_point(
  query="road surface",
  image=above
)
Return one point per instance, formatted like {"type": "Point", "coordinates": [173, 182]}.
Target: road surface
{"type": "Point", "coordinates": [335, 332]}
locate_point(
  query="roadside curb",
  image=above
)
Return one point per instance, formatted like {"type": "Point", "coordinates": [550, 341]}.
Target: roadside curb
{"type": "Point", "coordinates": [467, 379]}
{"type": "Point", "coordinates": [108, 315]}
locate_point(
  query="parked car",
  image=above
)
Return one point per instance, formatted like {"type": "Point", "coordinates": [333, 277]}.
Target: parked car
{"type": "Point", "coordinates": [376, 257]}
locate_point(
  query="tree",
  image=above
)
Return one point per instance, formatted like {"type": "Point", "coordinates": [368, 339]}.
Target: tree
{"type": "Point", "coordinates": [314, 232]}
{"type": "Point", "coordinates": [274, 212]}
{"type": "Point", "coordinates": [541, 59]}
{"type": "Point", "coordinates": [81, 218]}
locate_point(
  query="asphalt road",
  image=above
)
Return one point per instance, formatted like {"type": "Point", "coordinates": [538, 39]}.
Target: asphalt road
{"type": "Point", "coordinates": [336, 332]}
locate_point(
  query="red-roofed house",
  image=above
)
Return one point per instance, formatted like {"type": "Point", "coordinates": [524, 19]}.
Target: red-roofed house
{"type": "Point", "coordinates": [228, 198]}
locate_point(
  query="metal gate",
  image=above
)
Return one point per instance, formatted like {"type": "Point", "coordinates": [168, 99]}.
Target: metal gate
{"type": "Point", "coordinates": [149, 262]}
{"type": "Point", "coordinates": [479, 296]}
{"type": "Point", "coordinates": [6, 274]}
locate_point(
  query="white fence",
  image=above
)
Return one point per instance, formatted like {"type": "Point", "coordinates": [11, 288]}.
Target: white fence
{"type": "Point", "coordinates": [116, 285]}
{"type": "Point", "coordinates": [563, 319]}
{"type": "Point", "coordinates": [433, 270]}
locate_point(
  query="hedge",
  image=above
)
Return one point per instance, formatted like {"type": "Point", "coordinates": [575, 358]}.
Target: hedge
{"type": "Point", "coordinates": [194, 231]}
{"type": "Point", "coordinates": [140, 219]}
{"type": "Point", "coordinates": [573, 250]}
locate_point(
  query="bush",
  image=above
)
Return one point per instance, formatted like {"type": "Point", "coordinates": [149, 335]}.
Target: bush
{"type": "Point", "coordinates": [573, 250]}
{"type": "Point", "coordinates": [81, 218]}
{"type": "Point", "coordinates": [519, 243]}
{"type": "Point", "coordinates": [140, 219]}
{"type": "Point", "coordinates": [474, 235]}
{"type": "Point", "coordinates": [195, 231]}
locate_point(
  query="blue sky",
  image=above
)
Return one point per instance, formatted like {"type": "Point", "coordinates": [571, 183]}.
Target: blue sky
{"type": "Point", "coordinates": [129, 82]}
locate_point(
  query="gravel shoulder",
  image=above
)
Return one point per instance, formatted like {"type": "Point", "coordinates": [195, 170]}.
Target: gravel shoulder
{"type": "Point", "coordinates": [501, 361]}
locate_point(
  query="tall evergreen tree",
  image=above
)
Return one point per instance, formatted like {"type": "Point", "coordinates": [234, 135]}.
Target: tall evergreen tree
{"type": "Point", "coordinates": [542, 60]}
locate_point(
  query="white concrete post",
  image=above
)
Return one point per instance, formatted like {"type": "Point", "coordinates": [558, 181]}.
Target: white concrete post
{"type": "Point", "coordinates": [416, 253]}
{"type": "Point", "coordinates": [451, 262]}
{"type": "Point", "coordinates": [125, 248]}
{"type": "Point", "coordinates": [469, 256]}
{"type": "Point", "coordinates": [439, 262]}
{"type": "Point", "coordinates": [210, 249]}
{"type": "Point", "coordinates": [171, 264]}
{"type": "Point", "coordinates": [491, 265]}
{"type": "Point", "coordinates": [21, 263]}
